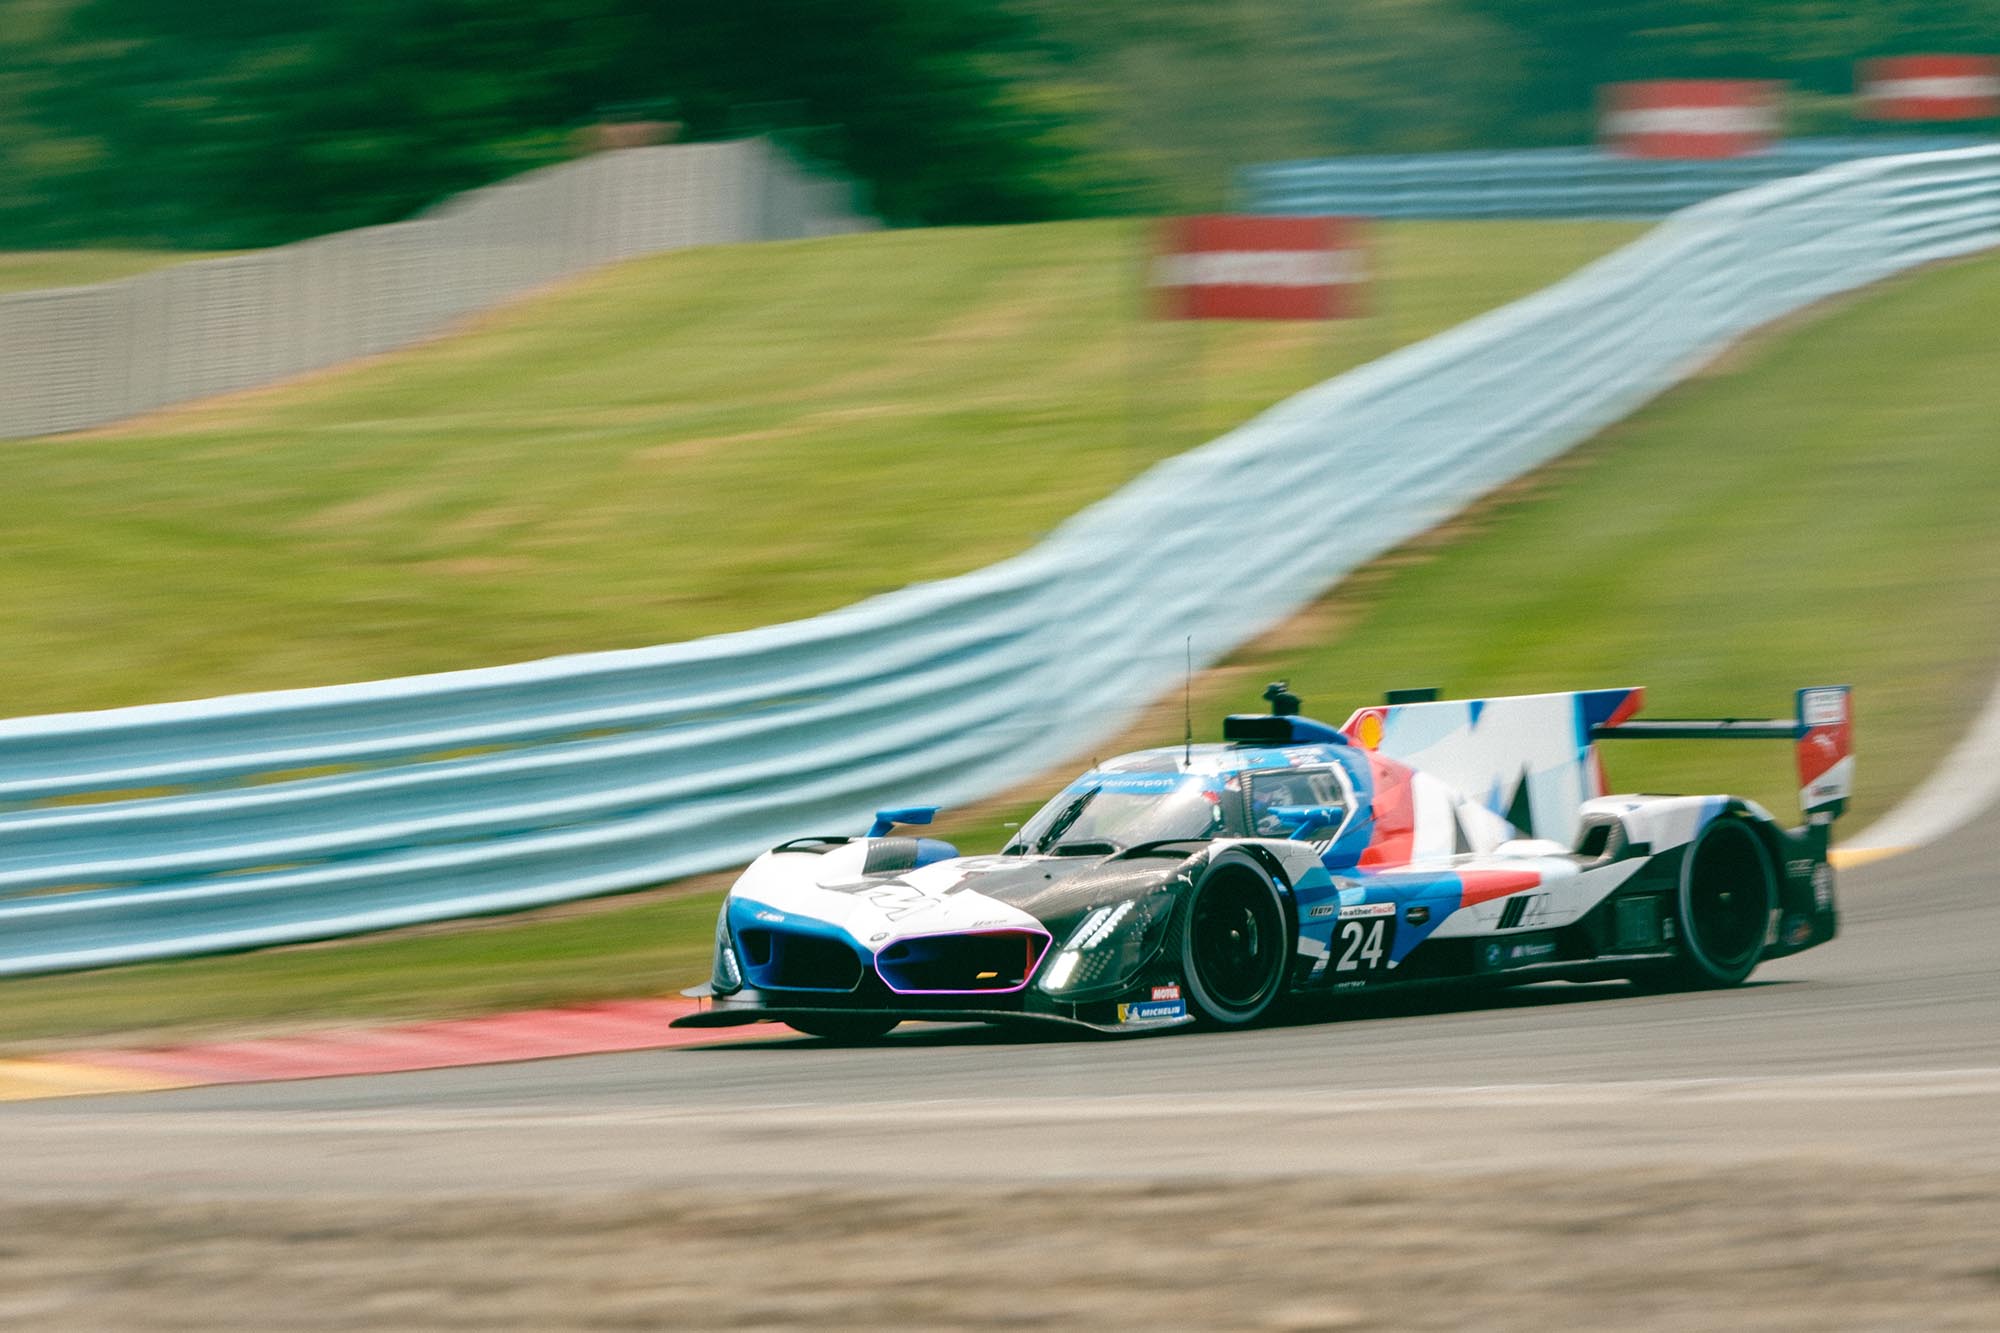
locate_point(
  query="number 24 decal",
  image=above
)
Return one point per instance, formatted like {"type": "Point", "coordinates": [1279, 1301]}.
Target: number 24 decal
{"type": "Point", "coordinates": [1364, 945]}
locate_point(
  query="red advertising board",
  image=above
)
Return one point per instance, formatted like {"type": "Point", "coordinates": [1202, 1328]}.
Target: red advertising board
{"type": "Point", "coordinates": [1222, 267]}
{"type": "Point", "coordinates": [1930, 88]}
{"type": "Point", "coordinates": [1688, 117]}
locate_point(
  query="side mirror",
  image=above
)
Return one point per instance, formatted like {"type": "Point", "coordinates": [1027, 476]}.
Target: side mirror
{"type": "Point", "coordinates": [1305, 820]}
{"type": "Point", "coordinates": [885, 820]}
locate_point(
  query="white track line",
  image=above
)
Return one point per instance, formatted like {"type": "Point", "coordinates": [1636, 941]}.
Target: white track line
{"type": "Point", "coordinates": [1845, 1088]}
{"type": "Point", "coordinates": [1957, 791]}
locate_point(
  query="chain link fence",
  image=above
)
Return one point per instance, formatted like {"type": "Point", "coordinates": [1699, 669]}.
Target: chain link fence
{"type": "Point", "coordinates": [76, 357]}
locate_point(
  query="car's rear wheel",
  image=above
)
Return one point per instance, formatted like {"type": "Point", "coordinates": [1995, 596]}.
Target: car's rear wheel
{"type": "Point", "coordinates": [1723, 911]}
{"type": "Point", "coordinates": [843, 1027]}
{"type": "Point", "coordinates": [1235, 944]}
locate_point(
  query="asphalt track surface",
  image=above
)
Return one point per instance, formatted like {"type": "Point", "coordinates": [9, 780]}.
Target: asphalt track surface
{"type": "Point", "coordinates": [1880, 1050]}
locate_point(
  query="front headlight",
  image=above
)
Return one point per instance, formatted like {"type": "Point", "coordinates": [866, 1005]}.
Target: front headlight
{"type": "Point", "coordinates": [1109, 944]}
{"type": "Point", "coordinates": [728, 976]}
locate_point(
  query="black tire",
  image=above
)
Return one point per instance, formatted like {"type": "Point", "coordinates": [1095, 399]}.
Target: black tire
{"type": "Point", "coordinates": [844, 1028]}
{"type": "Point", "coordinates": [1722, 913]}
{"type": "Point", "coordinates": [1236, 943]}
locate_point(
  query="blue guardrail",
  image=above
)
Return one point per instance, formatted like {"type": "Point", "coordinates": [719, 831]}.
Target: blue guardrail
{"type": "Point", "coordinates": [1582, 182]}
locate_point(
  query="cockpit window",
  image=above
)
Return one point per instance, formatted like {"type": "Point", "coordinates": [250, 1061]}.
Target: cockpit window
{"type": "Point", "coordinates": [1109, 812]}
{"type": "Point", "coordinates": [1295, 788]}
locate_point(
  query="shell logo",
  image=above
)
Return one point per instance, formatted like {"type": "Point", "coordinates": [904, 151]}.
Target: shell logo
{"type": "Point", "coordinates": [1368, 729]}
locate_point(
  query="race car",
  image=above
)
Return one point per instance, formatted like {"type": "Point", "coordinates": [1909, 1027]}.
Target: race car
{"type": "Point", "coordinates": [1423, 840]}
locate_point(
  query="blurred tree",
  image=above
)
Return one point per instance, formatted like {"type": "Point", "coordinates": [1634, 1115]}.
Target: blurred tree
{"type": "Point", "coordinates": [1190, 89]}
{"type": "Point", "coordinates": [1567, 49]}
{"type": "Point", "coordinates": [192, 123]}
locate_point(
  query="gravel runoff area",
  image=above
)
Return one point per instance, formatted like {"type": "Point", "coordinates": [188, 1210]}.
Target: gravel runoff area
{"type": "Point", "coordinates": [1800, 1245]}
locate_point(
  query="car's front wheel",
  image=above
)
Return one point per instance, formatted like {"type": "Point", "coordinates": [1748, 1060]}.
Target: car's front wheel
{"type": "Point", "coordinates": [1235, 943]}
{"type": "Point", "coordinates": [843, 1027]}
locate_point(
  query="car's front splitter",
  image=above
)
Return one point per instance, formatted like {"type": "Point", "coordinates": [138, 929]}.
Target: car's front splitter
{"type": "Point", "coordinates": [749, 1006]}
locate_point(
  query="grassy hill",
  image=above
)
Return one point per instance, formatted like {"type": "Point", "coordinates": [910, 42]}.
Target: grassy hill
{"type": "Point", "coordinates": [1819, 509]}
{"type": "Point", "coordinates": [26, 270]}
{"type": "Point", "coordinates": [701, 441]}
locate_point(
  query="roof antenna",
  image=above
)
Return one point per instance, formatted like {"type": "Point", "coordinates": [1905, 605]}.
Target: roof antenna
{"type": "Point", "coordinates": [1187, 705]}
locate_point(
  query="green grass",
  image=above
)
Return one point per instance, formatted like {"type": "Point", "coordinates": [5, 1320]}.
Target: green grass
{"type": "Point", "coordinates": [27, 270]}
{"type": "Point", "coordinates": [1822, 512]}
{"type": "Point", "coordinates": [697, 442]}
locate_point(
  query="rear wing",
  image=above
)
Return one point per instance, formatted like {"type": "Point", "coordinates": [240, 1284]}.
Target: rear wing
{"type": "Point", "coordinates": [1822, 733]}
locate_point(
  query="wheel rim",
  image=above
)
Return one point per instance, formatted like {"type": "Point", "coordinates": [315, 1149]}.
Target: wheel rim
{"type": "Point", "coordinates": [1727, 922]}
{"type": "Point", "coordinates": [1235, 934]}
{"type": "Point", "coordinates": [1728, 903]}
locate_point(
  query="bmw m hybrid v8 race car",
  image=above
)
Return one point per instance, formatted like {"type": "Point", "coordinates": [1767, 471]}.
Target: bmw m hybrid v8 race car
{"type": "Point", "coordinates": [1423, 840]}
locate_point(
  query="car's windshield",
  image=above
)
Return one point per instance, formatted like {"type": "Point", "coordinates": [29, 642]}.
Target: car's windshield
{"type": "Point", "coordinates": [1113, 811]}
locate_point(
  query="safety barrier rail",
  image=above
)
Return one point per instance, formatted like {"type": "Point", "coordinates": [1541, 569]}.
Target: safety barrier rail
{"type": "Point", "coordinates": [1582, 181]}
{"type": "Point", "coordinates": [75, 357]}
{"type": "Point", "coordinates": [181, 828]}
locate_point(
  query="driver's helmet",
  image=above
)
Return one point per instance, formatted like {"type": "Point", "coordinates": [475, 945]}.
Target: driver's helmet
{"type": "Point", "coordinates": [1268, 795]}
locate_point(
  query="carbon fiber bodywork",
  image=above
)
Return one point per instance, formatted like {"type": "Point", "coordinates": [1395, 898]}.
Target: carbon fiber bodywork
{"type": "Point", "coordinates": [1057, 892]}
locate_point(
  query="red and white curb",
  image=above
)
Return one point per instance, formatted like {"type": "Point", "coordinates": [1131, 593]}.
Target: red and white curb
{"type": "Point", "coordinates": [540, 1034]}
